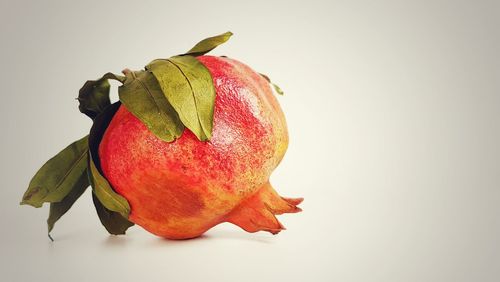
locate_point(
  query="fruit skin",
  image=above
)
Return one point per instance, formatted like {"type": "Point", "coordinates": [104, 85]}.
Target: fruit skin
{"type": "Point", "coordinates": [180, 189]}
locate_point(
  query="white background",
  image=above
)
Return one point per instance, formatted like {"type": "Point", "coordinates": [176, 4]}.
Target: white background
{"type": "Point", "coordinates": [394, 117]}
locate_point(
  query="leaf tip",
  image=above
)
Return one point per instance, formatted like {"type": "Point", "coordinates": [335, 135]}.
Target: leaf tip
{"type": "Point", "coordinates": [27, 202]}
{"type": "Point", "coordinates": [50, 226]}
{"type": "Point", "coordinates": [50, 237]}
{"type": "Point", "coordinates": [278, 89]}
{"type": "Point", "coordinates": [204, 138]}
{"type": "Point", "coordinates": [208, 135]}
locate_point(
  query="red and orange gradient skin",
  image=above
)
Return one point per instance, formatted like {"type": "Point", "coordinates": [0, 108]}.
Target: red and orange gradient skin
{"type": "Point", "coordinates": [180, 189]}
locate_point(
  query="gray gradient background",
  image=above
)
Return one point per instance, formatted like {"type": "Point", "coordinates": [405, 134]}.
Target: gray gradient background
{"type": "Point", "coordinates": [394, 117]}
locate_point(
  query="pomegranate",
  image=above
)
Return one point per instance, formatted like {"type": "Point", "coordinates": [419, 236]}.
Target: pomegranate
{"type": "Point", "coordinates": [191, 143]}
{"type": "Point", "coordinates": [180, 189]}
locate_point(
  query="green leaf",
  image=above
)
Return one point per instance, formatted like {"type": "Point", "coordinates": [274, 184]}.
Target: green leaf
{"type": "Point", "coordinates": [208, 44]}
{"type": "Point", "coordinates": [276, 87]}
{"type": "Point", "coordinates": [101, 187]}
{"type": "Point", "coordinates": [94, 95]}
{"type": "Point", "coordinates": [265, 77]}
{"type": "Point", "coordinates": [114, 222]}
{"type": "Point", "coordinates": [106, 195]}
{"type": "Point", "coordinates": [188, 87]}
{"type": "Point", "coordinates": [143, 97]}
{"type": "Point", "coordinates": [58, 176]}
{"type": "Point", "coordinates": [57, 210]}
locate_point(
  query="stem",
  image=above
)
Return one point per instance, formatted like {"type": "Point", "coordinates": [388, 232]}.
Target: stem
{"type": "Point", "coordinates": [110, 75]}
{"type": "Point", "coordinates": [121, 78]}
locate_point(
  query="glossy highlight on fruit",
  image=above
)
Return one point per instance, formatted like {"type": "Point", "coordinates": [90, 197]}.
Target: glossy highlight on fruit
{"type": "Point", "coordinates": [180, 189]}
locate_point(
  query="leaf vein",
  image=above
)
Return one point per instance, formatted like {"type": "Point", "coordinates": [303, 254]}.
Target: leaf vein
{"type": "Point", "coordinates": [66, 175]}
{"type": "Point", "coordinates": [152, 97]}
{"type": "Point", "coordinates": [194, 96]}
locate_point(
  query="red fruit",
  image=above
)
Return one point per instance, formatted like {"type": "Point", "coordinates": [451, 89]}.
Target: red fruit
{"type": "Point", "coordinates": [180, 189]}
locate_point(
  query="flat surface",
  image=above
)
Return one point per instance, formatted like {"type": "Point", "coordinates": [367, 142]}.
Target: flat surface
{"type": "Point", "coordinates": [394, 116]}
